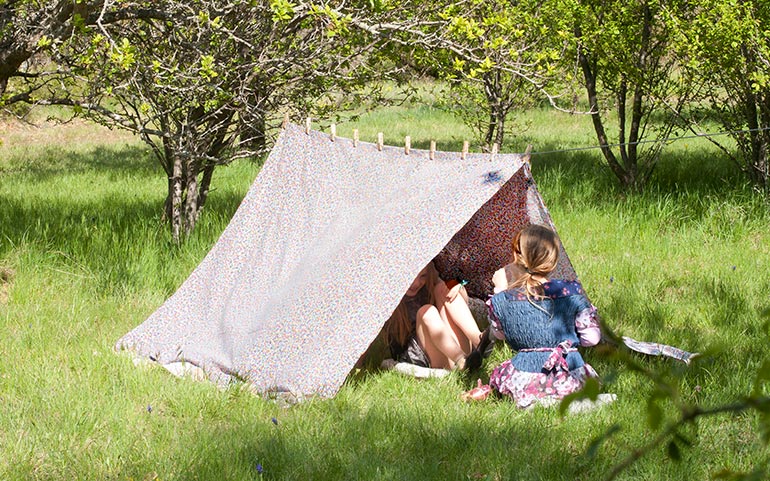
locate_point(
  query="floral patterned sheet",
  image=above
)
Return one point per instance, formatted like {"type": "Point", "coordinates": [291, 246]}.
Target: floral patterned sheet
{"type": "Point", "coordinates": [322, 248]}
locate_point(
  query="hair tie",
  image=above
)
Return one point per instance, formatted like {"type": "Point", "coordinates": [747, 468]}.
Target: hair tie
{"type": "Point", "coordinates": [526, 269]}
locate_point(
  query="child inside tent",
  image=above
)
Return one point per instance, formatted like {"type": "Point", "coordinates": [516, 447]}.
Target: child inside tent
{"type": "Point", "coordinates": [433, 326]}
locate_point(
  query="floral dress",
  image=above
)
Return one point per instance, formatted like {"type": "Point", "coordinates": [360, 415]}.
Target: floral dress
{"type": "Point", "coordinates": [545, 334]}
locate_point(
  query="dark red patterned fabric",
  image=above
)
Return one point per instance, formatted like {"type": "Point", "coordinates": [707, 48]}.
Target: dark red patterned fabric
{"type": "Point", "coordinates": [483, 245]}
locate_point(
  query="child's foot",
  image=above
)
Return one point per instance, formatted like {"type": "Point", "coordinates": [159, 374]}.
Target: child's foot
{"type": "Point", "coordinates": [478, 393]}
{"type": "Point", "coordinates": [486, 343]}
{"type": "Point", "coordinates": [484, 348]}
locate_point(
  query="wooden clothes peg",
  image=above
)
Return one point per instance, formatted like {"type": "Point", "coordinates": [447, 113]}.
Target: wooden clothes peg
{"type": "Point", "coordinates": [527, 154]}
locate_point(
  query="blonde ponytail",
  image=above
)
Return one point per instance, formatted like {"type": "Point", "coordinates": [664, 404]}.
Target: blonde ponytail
{"type": "Point", "coordinates": [535, 251]}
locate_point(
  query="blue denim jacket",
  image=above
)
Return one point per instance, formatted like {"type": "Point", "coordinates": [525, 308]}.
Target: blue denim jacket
{"type": "Point", "coordinates": [546, 323]}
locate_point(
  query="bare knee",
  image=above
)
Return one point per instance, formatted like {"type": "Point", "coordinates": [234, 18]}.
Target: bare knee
{"type": "Point", "coordinates": [449, 297]}
{"type": "Point", "coordinates": [428, 314]}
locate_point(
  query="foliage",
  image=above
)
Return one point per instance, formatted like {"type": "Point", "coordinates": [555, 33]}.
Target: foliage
{"type": "Point", "coordinates": [726, 45]}
{"type": "Point", "coordinates": [498, 57]}
{"type": "Point", "coordinates": [203, 82]}
{"type": "Point", "coordinates": [30, 30]}
{"type": "Point", "coordinates": [623, 51]}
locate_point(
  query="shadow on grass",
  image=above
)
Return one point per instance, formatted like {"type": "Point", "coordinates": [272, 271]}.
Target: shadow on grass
{"type": "Point", "coordinates": [696, 171]}
{"type": "Point", "coordinates": [722, 320]}
{"type": "Point", "coordinates": [52, 161]}
{"type": "Point", "coordinates": [116, 240]}
{"type": "Point", "coordinates": [379, 443]}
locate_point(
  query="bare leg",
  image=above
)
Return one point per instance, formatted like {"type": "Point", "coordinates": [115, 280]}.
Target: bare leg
{"type": "Point", "coordinates": [459, 317]}
{"type": "Point", "coordinates": [438, 339]}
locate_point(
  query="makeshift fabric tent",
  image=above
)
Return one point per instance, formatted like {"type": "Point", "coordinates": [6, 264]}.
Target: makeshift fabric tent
{"type": "Point", "coordinates": [321, 250]}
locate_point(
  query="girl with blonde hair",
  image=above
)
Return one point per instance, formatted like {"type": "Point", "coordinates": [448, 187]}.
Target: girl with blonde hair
{"type": "Point", "coordinates": [544, 320]}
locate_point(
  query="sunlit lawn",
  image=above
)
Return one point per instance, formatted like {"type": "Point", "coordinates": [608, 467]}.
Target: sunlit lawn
{"type": "Point", "coordinates": [84, 257]}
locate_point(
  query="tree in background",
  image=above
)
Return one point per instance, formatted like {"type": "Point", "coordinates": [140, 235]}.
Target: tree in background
{"type": "Point", "coordinates": [203, 81]}
{"type": "Point", "coordinates": [726, 45]}
{"type": "Point", "coordinates": [30, 30]}
{"type": "Point", "coordinates": [27, 28]}
{"type": "Point", "coordinates": [623, 51]}
{"type": "Point", "coordinates": [502, 58]}
{"type": "Point", "coordinates": [497, 57]}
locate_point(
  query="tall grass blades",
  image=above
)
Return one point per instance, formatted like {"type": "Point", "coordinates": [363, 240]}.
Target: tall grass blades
{"type": "Point", "coordinates": [85, 257]}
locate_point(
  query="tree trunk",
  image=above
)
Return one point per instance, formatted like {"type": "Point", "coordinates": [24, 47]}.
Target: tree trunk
{"type": "Point", "coordinates": [500, 129]}
{"type": "Point", "coordinates": [632, 166]}
{"type": "Point", "coordinates": [633, 136]}
{"type": "Point", "coordinates": [203, 194]}
{"type": "Point", "coordinates": [191, 199]}
{"type": "Point", "coordinates": [621, 107]}
{"type": "Point", "coordinates": [762, 165]}
{"type": "Point", "coordinates": [759, 168]}
{"type": "Point", "coordinates": [593, 100]}
{"type": "Point", "coordinates": [176, 189]}
{"type": "Point", "coordinates": [492, 91]}
{"type": "Point", "coordinates": [490, 132]}
{"type": "Point", "coordinates": [186, 197]}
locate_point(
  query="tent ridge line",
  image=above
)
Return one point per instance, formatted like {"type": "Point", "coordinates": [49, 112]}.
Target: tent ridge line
{"type": "Point", "coordinates": [525, 157]}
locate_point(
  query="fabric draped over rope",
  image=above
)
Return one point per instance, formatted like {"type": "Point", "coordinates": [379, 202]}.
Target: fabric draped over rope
{"type": "Point", "coordinates": [322, 248]}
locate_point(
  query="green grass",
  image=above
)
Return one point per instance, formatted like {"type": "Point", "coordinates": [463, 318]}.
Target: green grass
{"type": "Point", "coordinates": [86, 258]}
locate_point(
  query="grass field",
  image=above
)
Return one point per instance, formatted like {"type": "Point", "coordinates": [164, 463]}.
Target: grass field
{"type": "Point", "coordinates": [84, 258]}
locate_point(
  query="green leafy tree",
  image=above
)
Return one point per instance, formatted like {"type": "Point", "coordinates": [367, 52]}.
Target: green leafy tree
{"type": "Point", "coordinates": [623, 49]}
{"type": "Point", "coordinates": [203, 82]}
{"type": "Point", "coordinates": [499, 57]}
{"type": "Point", "coordinates": [726, 46]}
{"type": "Point", "coordinates": [32, 30]}
{"type": "Point", "coordinates": [26, 29]}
